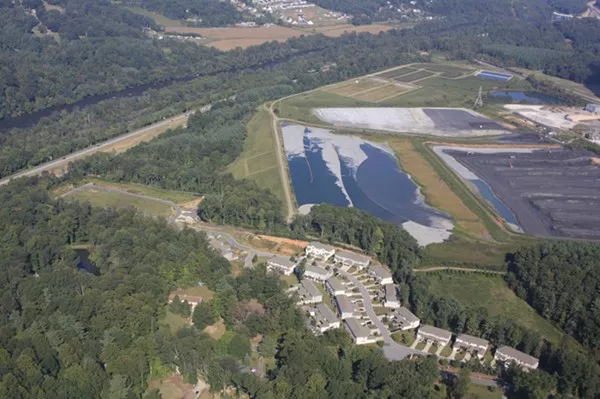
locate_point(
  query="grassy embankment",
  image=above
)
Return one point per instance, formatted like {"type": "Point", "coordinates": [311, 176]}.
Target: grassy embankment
{"type": "Point", "coordinates": [258, 160]}
{"type": "Point", "coordinates": [107, 199]}
{"type": "Point", "coordinates": [158, 18]}
{"type": "Point", "coordinates": [492, 293]}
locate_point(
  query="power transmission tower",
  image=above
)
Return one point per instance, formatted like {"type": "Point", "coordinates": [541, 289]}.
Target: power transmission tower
{"type": "Point", "coordinates": [479, 100]}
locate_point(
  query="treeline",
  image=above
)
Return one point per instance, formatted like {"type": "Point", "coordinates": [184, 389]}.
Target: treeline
{"type": "Point", "coordinates": [388, 242]}
{"type": "Point", "coordinates": [196, 12]}
{"type": "Point", "coordinates": [561, 282]}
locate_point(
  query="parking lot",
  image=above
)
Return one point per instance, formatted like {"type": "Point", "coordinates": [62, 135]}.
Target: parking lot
{"type": "Point", "coordinates": [552, 192]}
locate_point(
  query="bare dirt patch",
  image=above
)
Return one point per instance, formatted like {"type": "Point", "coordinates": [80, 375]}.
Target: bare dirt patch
{"type": "Point", "coordinates": [172, 387]}
{"type": "Point", "coordinates": [217, 330]}
{"type": "Point", "coordinates": [286, 245]}
{"type": "Point", "coordinates": [191, 205]}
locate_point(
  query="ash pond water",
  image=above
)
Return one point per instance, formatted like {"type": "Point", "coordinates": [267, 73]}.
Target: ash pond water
{"type": "Point", "coordinates": [349, 171]}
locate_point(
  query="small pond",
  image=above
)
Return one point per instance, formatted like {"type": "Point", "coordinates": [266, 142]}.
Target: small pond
{"type": "Point", "coordinates": [85, 263]}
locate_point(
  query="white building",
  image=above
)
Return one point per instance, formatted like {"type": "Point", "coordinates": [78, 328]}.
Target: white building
{"type": "Point", "coordinates": [434, 335]}
{"type": "Point", "coordinates": [380, 274]}
{"type": "Point", "coordinates": [317, 273]}
{"type": "Point", "coordinates": [324, 318]}
{"type": "Point", "coordinates": [346, 308]}
{"type": "Point", "coordinates": [508, 355]}
{"type": "Point", "coordinates": [390, 299]}
{"type": "Point", "coordinates": [318, 250]}
{"type": "Point", "coordinates": [335, 286]}
{"type": "Point", "coordinates": [472, 344]}
{"type": "Point", "coordinates": [360, 334]}
{"type": "Point", "coordinates": [405, 319]}
{"type": "Point", "coordinates": [309, 293]}
{"type": "Point", "coordinates": [281, 264]}
{"type": "Point", "coordinates": [350, 259]}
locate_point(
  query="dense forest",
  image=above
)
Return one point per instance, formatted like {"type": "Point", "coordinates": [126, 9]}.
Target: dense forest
{"type": "Point", "coordinates": [68, 333]}
{"type": "Point", "coordinates": [388, 242]}
{"type": "Point", "coordinates": [561, 282]}
{"type": "Point", "coordinates": [196, 12]}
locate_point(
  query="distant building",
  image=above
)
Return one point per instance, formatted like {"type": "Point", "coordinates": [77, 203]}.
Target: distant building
{"type": "Point", "coordinates": [318, 250]}
{"type": "Point", "coordinates": [335, 286]}
{"type": "Point", "coordinates": [391, 299]}
{"type": "Point", "coordinates": [508, 355]}
{"type": "Point", "coordinates": [434, 335]}
{"type": "Point", "coordinates": [317, 273]}
{"type": "Point", "coordinates": [472, 344]}
{"type": "Point", "coordinates": [380, 274]}
{"type": "Point", "coordinates": [192, 300]}
{"type": "Point", "coordinates": [350, 259]}
{"type": "Point", "coordinates": [324, 318]}
{"type": "Point", "coordinates": [281, 264]}
{"type": "Point", "coordinates": [593, 108]}
{"type": "Point", "coordinates": [558, 16]}
{"type": "Point", "coordinates": [405, 319]}
{"type": "Point", "coordinates": [346, 308]}
{"type": "Point", "coordinates": [309, 293]}
{"type": "Point", "coordinates": [360, 334]}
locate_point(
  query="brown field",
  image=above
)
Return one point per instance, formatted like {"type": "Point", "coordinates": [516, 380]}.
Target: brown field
{"type": "Point", "coordinates": [230, 38]}
{"type": "Point", "coordinates": [435, 190]}
{"type": "Point", "coordinates": [382, 93]}
{"type": "Point", "coordinates": [353, 87]}
{"type": "Point", "coordinates": [130, 142]}
{"type": "Point", "coordinates": [217, 330]}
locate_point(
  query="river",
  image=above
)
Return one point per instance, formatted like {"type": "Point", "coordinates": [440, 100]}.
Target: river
{"type": "Point", "coordinates": [31, 119]}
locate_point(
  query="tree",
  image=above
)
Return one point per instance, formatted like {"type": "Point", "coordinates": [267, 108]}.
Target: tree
{"type": "Point", "coordinates": [203, 315]}
{"type": "Point", "coordinates": [460, 385]}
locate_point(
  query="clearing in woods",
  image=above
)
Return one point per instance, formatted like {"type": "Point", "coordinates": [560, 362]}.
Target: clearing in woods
{"type": "Point", "coordinates": [124, 145]}
{"type": "Point", "coordinates": [491, 293]}
{"type": "Point", "coordinates": [258, 160]}
{"type": "Point", "coordinates": [110, 199]}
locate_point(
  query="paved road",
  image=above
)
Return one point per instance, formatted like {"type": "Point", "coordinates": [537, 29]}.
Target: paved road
{"type": "Point", "coordinates": [88, 151]}
{"type": "Point", "coordinates": [391, 349]}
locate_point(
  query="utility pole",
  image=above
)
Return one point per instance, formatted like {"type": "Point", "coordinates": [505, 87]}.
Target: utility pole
{"type": "Point", "coordinates": [479, 100]}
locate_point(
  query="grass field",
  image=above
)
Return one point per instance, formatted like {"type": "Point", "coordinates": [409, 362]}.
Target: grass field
{"type": "Point", "coordinates": [435, 189]}
{"type": "Point", "coordinates": [300, 107]}
{"type": "Point", "coordinates": [174, 321]}
{"type": "Point", "coordinates": [492, 293]}
{"type": "Point", "coordinates": [397, 72]}
{"type": "Point", "coordinates": [148, 135]}
{"type": "Point", "coordinates": [203, 291]}
{"type": "Point", "coordinates": [447, 70]}
{"type": "Point", "coordinates": [382, 93]}
{"type": "Point", "coordinates": [258, 160]}
{"type": "Point", "coordinates": [411, 77]}
{"type": "Point", "coordinates": [158, 18]}
{"type": "Point", "coordinates": [174, 196]}
{"type": "Point", "coordinates": [483, 392]}
{"type": "Point", "coordinates": [350, 88]}
{"type": "Point", "coordinates": [106, 199]}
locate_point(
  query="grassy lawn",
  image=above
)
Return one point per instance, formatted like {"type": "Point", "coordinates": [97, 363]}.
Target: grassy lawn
{"type": "Point", "coordinates": [174, 321]}
{"type": "Point", "coordinates": [258, 160]}
{"type": "Point", "coordinates": [106, 199]}
{"type": "Point", "coordinates": [477, 290]}
{"type": "Point", "coordinates": [203, 291]}
{"type": "Point", "coordinates": [158, 18]}
{"type": "Point", "coordinates": [447, 351]}
{"type": "Point", "coordinates": [433, 349]}
{"type": "Point", "coordinates": [169, 195]}
{"type": "Point", "coordinates": [405, 337]}
{"type": "Point", "coordinates": [421, 345]}
{"type": "Point", "coordinates": [290, 280]}
{"type": "Point", "coordinates": [483, 392]}
{"type": "Point", "coordinates": [464, 251]}
{"type": "Point", "coordinates": [379, 310]}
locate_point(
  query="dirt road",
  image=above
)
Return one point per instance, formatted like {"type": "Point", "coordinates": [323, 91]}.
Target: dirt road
{"type": "Point", "coordinates": [282, 160]}
{"type": "Point", "coordinates": [462, 269]}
